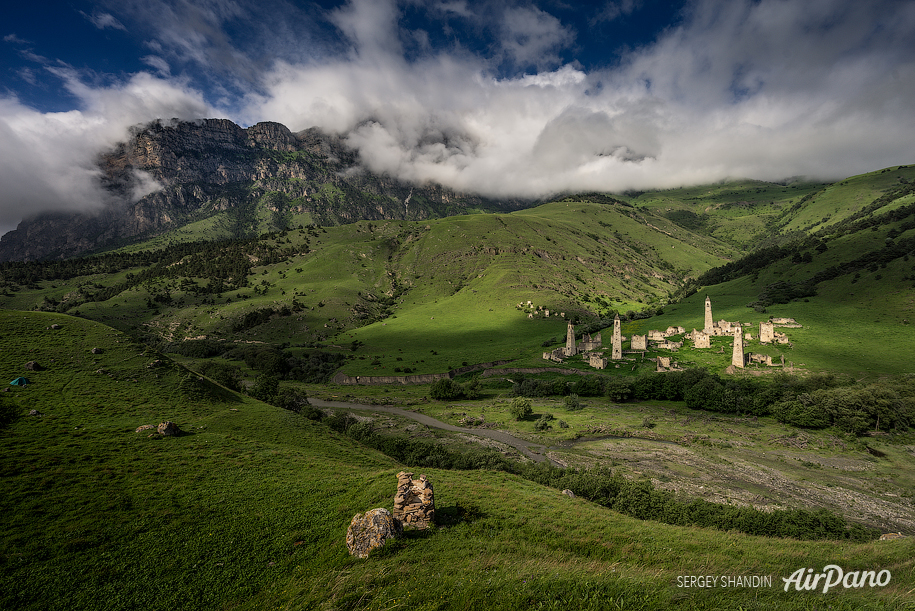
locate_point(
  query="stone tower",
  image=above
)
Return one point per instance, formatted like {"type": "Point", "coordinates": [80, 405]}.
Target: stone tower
{"type": "Point", "coordinates": [709, 321]}
{"type": "Point", "coordinates": [570, 341]}
{"type": "Point", "coordinates": [616, 353]}
{"type": "Point", "coordinates": [737, 358]}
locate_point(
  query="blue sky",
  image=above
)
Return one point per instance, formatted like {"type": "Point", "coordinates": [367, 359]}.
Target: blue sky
{"type": "Point", "coordinates": [502, 98]}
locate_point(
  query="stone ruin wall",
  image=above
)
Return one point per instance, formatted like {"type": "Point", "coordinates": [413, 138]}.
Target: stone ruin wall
{"type": "Point", "coordinates": [425, 378]}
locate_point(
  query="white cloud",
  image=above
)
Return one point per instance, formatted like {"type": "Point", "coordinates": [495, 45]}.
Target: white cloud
{"type": "Point", "coordinates": [615, 9]}
{"type": "Point", "coordinates": [532, 37]}
{"type": "Point", "coordinates": [741, 89]}
{"type": "Point", "coordinates": [104, 20]}
{"type": "Point", "coordinates": [47, 160]}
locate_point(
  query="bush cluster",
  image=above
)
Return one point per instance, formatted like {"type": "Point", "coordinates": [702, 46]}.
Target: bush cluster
{"type": "Point", "coordinates": [816, 401]}
{"type": "Point", "coordinates": [446, 389]}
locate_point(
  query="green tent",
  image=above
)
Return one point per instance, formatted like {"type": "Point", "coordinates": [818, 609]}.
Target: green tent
{"type": "Point", "coordinates": [19, 382]}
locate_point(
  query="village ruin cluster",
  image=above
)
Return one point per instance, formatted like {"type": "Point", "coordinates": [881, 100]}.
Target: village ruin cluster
{"type": "Point", "coordinates": [590, 347]}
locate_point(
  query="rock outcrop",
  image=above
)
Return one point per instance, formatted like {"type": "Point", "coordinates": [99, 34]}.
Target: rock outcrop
{"type": "Point", "coordinates": [168, 429]}
{"type": "Point", "coordinates": [414, 503]}
{"type": "Point", "coordinates": [371, 530]}
{"type": "Point", "coordinates": [173, 172]}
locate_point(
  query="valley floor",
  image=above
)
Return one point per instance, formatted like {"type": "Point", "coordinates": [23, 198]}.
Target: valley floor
{"type": "Point", "coordinates": [723, 459]}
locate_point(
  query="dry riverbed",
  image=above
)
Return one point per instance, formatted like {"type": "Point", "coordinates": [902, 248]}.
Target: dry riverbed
{"type": "Point", "coordinates": [742, 461]}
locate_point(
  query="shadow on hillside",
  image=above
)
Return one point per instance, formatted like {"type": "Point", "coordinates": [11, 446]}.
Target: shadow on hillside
{"type": "Point", "coordinates": [456, 514]}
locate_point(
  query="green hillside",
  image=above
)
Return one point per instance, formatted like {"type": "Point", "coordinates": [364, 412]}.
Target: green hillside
{"type": "Point", "coordinates": [393, 285]}
{"type": "Point", "coordinates": [397, 297]}
{"type": "Point", "coordinates": [248, 510]}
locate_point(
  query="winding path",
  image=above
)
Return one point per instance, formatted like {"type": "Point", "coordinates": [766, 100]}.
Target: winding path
{"type": "Point", "coordinates": [534, 451]}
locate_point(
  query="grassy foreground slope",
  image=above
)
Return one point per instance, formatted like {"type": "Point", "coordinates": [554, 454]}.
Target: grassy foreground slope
{"type": "Point", "coordinates": [248, 510]}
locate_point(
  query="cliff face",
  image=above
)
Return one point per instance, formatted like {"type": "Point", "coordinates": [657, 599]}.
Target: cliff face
{"type": "Point", "coordinates": [168, 174]}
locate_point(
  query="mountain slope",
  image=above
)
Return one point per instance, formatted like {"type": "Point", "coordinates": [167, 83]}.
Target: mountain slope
{"type": "Point", "coordinates": [384, 283]}
{"type": "Point", "coordinates": [263, 178]}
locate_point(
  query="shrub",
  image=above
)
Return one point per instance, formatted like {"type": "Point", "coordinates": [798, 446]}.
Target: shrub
{"type": "Point", "coordinates": [446, 389]}
{"type": "Point", "coordinates": [473, 389]}
{"type": "Point", "coordinates": [619, 389]}
{"type": "Point", "coordinates": [265, 388]}
{"type": "Point", "coordinates": [589, 386]}
{"type": "Point", "coordinates": [223, 374]}
{"type": "Point", "coordinates": [571, 402]}
{"type": "Point", "coordinates": [543, 423]}
{"type": "Point", "coordinates": [292, 399]}
{"type": "Point", "coordinates": [521, 408]}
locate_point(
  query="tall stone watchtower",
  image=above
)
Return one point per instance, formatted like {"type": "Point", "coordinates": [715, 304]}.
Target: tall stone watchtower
{"type": "Point", "coordinates": [737, 358]}
{"type": "Point", "coordinates": [709, 321]}
{"type": "Point", "coordinates": [616, 352]}
{"type": "Point", "coordinates": [571, 349]}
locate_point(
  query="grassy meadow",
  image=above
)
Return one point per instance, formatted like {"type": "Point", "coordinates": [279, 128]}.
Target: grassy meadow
{"type": "Point", "coordinates": [248, 510]}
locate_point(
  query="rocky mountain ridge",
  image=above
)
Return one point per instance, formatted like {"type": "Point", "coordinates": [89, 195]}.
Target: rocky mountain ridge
{"type": "Point", "coordinates": [171, 173]}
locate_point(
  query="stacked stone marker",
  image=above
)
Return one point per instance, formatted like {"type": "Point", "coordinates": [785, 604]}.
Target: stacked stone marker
{"type": "Point", "coordinates": [414, 503]}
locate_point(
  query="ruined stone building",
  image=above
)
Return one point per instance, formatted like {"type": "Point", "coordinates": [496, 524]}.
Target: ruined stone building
{"type": "Point", "coordinates": [701, 339]}
{"type": "Point", "coordinates": [639, 342]}
{"type": "Point", "coordinates": [597, 360]}
{"type": "Point", "coordinates": [766, 332]}
{"type": "Point", "coordinates": [589, 343]}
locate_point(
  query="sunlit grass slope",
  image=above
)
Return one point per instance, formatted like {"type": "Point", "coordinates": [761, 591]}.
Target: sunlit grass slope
{"type": "Point", "coordinates": [740, 213]}
{"type": "Point", "coordinates": [449, 285]}
{"type": "Point", "coordinates": [248, 510]}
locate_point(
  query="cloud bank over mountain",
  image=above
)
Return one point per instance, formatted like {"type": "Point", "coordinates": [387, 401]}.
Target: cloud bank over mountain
{"type": "Point", "coordinates": [499, 99]}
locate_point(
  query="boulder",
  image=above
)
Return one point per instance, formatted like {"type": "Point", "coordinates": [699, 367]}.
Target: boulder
{"type": "Point", "coordinates": [414, 503]}
{"type": "Point", "coordinates": [33, 366]}
{"type": "Point", "coordinates": [370, 530]}
{"type": "Point", "coordinates": [168, 428]}
{"type": "Point", "coordinates": [568, 493]}
{"type": "Point", "coordinates": [891, 536]}
{"type": "Point", "coordinates": [145, 427]}
{"type": "Point", "coordinates": [35, 412]}
{"type": "Point", "coordinates": [96, 351]}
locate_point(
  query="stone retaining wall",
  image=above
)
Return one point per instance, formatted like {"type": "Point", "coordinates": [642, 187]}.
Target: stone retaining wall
{"type": "Point", "coordinates": [424, 378]}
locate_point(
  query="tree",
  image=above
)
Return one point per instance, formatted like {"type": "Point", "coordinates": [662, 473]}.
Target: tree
{"type": "Point", "coordinates": [265, 388]}
{"type": "Point", "coordinates": [446, 389]}
{"type": "Point", "coordinates": [521, 408]}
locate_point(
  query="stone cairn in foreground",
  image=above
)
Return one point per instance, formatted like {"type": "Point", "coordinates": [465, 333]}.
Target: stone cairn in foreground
{"type": "Point", "coordinates": [414, 503]}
